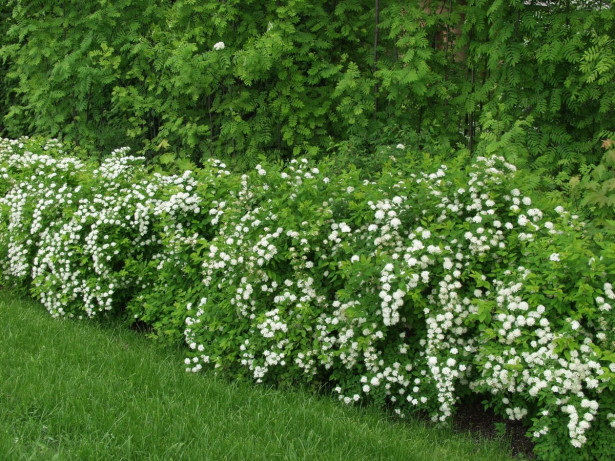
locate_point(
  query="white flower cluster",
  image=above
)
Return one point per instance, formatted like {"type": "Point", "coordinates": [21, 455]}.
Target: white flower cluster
{"type": "Point", "coordinates": [46, 186]}
{"type": "Point", "coordinates": [72, 239]}
{"type": "Point", "coordinates": [544, 372]}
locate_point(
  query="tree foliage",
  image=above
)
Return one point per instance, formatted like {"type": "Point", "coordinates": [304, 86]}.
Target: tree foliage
{"type": "Point", "coordinates": [535, 77]}
{"type": "Point", "coordinates": [542, 67]}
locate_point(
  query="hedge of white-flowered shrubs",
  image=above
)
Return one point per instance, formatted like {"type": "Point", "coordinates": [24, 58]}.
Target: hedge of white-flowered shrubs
{"type": "Point", "coordinates": [414, 290]}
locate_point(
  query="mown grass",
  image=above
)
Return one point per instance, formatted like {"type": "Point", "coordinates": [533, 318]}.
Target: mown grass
{"type": "Point", "coordinates": [78, 390]}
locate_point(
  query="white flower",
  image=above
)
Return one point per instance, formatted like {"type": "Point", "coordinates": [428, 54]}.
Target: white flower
{"type": "Point", "coordinates": [219, 46]}
{"type": "Point", "coordinates": [554, 257]}
{"type": "Point", "coordinates": [401, 146]}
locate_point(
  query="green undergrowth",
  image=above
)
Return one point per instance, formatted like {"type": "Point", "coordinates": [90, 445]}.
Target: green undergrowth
{"type": "Point", "coordinates": [77, 390]}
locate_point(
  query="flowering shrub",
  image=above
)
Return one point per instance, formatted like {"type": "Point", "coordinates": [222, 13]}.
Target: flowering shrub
{"type": "Point", "coordinates": [172, 275]}
{"type": "Point", "coordinates": [416, 289]}
{"type": "Point", "coordinates": [35, 188]}
{"type": "Point", "coordinates": [73, 227]}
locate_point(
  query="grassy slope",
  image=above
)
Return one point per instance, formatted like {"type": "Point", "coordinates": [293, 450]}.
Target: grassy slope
{"type": "Point", "coordinates": [71, 390]}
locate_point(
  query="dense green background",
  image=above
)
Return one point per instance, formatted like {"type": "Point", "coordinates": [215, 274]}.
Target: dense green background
{"type": "Point", "coordinates": [295, 77]}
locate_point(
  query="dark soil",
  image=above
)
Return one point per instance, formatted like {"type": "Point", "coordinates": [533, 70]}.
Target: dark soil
{"type": "Point", "coordinates": [141, 327]}
{"type": "Point", "coordinates": [484, 423]}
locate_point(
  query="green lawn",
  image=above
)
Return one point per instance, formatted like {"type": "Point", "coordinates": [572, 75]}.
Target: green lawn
{"type": "Point", "coordinates": [78, 390]}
